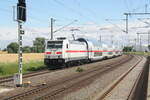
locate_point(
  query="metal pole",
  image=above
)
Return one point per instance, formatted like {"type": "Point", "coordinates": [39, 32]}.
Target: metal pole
{"type": "Point", "coordinates": [127, 27]}
{"type": "Point", "coordinates": [140, 44]}
{"type": "Point", "coordinates": [127, 23]}
{"type": "Point", "coordinates": [148, 38]}
{"type": "Point", "coordinates": [145, 8]}
{"type": "Point", "coordinates": [148, 41]}
{"type": "Point", "coordinates": [51, 28]}
{"type": "Point", "coordinates": [100, 38]}
{"type": "Point", "coordinates": [20, 52]}
{"type": "Point", "coordinates": [135, 44]}
{"type": "Point", "coordinates": [73, 36]}
{"type": "Point", "coordinates": [112, 41]}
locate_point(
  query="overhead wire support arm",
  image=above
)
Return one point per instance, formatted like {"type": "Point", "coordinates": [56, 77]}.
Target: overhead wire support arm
{"type": "Point", "coordinates": [129, 14]}
{"type": "Point", "coordinates": [65, 26]}
{"type": "Point", "coordinates": [136, 13]}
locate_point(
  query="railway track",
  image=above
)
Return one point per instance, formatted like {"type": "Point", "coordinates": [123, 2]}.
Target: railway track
{"type": "Point", "coordinates": [26, 75]}
{"type": "Point", "coordinates": [51, 90]}
{"type": "Point", "coordinates": [115, 84]}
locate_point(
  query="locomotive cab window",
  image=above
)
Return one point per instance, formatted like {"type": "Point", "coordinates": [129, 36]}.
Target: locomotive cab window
{"type": "Point", "coordinates": [67, 46]}
{"type": "Point", "coordinates": [54, 44]}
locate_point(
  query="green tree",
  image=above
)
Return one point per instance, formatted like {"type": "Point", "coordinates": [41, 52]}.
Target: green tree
{"type": "Point", "coordinates": [39, 45]}
{"type": "Point", "coordinates": [149, 47]}
{"type": "Point", "coordinates": [12, 47]}
{"type": "Point", "coordinates": [27, 49]}
{"type": "Point", "coordinates": [32, 49]}
{"type": "Point", "coordinates": [128, 49]}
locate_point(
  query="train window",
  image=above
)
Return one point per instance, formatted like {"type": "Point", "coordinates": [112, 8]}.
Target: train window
{"type": "Point", "coordinates": [97, 53]}
{"type": "Point", "coordinates": [67, 46]}
{"type": "Point", "coordinates": [110, 53]}
{"type": "Point", "coordinates": [54, 44]}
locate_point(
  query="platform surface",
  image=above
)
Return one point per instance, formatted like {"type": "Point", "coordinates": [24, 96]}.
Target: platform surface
{"type": "Point", "coordinates": [148, 92]}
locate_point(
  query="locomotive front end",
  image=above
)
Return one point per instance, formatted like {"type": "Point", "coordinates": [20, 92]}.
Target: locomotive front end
{"type": "Point", "coordinates": [54, 53]}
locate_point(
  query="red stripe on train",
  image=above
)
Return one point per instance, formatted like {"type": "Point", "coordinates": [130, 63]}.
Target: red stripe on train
{"type": "Point", "coordinates": [76, 51]}
{"type": "Point", "coordinates": [58, 52]}
{"type": "Point", "coordinates": [48, 52]}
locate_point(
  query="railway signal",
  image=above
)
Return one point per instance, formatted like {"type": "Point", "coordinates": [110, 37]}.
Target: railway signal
{"type": "Point", "coordinates": [21, 10]}
{"type": "Point", "coordinates": [21, 18]}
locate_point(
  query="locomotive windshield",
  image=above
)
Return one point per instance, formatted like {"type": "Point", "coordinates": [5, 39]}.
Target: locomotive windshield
{"type": "Point", "coordinates": [54, 44]}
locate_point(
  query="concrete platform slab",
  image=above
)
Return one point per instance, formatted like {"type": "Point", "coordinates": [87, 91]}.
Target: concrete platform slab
{"type": "Point", "coordinates": [124, 88]}
{"type": "Point", "coordinates": [148, 91]}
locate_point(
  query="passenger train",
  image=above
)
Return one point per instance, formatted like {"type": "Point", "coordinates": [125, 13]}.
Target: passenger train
{"type": "Point", "coordinates": [64, 51]}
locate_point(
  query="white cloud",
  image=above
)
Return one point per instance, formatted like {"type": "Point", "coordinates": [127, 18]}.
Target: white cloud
{"type": "Point", "coordinates": [8, 34]}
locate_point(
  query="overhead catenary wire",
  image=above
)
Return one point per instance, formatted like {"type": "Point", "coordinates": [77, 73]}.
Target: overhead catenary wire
{"type": "Point", "coordinates": [65, 26]}
{"type": "Point", "coordinates": [86, 8]}
{"type": "Point", "coordinates": [126, 4]}
{"type": "Point", "coordinates": [9, 12]}
{"type": "Point", "coordinates": [140, 6]}
{"type": "Point", "coordinates": [146, 22]}
{"type": "Point", "coordinates": [30, 15]}
{"type": "Point", "coordinates": [74, 11]}
{"type": "Point", "coordinates": [33, 30]}
{"type": "Point", "coordinates": [115, 25]}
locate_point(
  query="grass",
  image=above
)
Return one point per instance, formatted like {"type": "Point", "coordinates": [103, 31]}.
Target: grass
{"type": "Point", "coordinates": [138, 53]}
{"type": "Point", "coordinates": [11, 68]}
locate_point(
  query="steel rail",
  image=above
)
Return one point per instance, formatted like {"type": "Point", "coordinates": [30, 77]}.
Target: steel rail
{"type": "Point", "coordinates": [26, 75]}
{"type": "Point", "coordinates": [115, 84]}
{"type": "Point", "coordinates": [62, 88]}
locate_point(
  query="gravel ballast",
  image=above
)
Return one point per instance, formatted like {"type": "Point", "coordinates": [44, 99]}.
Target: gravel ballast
{"type": "Point", "coordinates": [90, 91]}
{"type": "Point", "coordinates": [82, 93]}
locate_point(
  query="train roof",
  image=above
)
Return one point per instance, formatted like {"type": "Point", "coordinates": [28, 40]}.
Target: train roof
{"type": "Point", "coordinates": [93, 41]}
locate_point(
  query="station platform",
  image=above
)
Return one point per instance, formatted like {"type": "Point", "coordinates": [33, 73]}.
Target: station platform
{"type": "Point", "coordinates": [148, 91]}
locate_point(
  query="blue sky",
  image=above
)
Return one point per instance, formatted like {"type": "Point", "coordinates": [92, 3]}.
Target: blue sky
{"type": "Point", "coordinates": [64, 11]}
{"type": "Point", "coordinates": [86, 12]}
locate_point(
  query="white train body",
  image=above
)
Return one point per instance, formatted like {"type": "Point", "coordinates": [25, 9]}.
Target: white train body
{"type": "Point", "coordinates": [80, 50]}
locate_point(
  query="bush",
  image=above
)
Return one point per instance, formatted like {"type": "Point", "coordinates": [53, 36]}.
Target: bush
{"type": "Point", "coordinates": [79, 69]}
{"type": "Point", "coordinates": [1, 70]}
{"type": "Point", "coordinates": [36, 68]}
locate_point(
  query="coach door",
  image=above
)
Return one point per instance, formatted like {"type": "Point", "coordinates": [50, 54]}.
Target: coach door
{"type": "Point", "coordinates": [68, 53]}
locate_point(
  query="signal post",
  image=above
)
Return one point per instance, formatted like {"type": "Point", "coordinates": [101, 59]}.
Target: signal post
{"type": "Point", "coordinates": [21, 18]}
